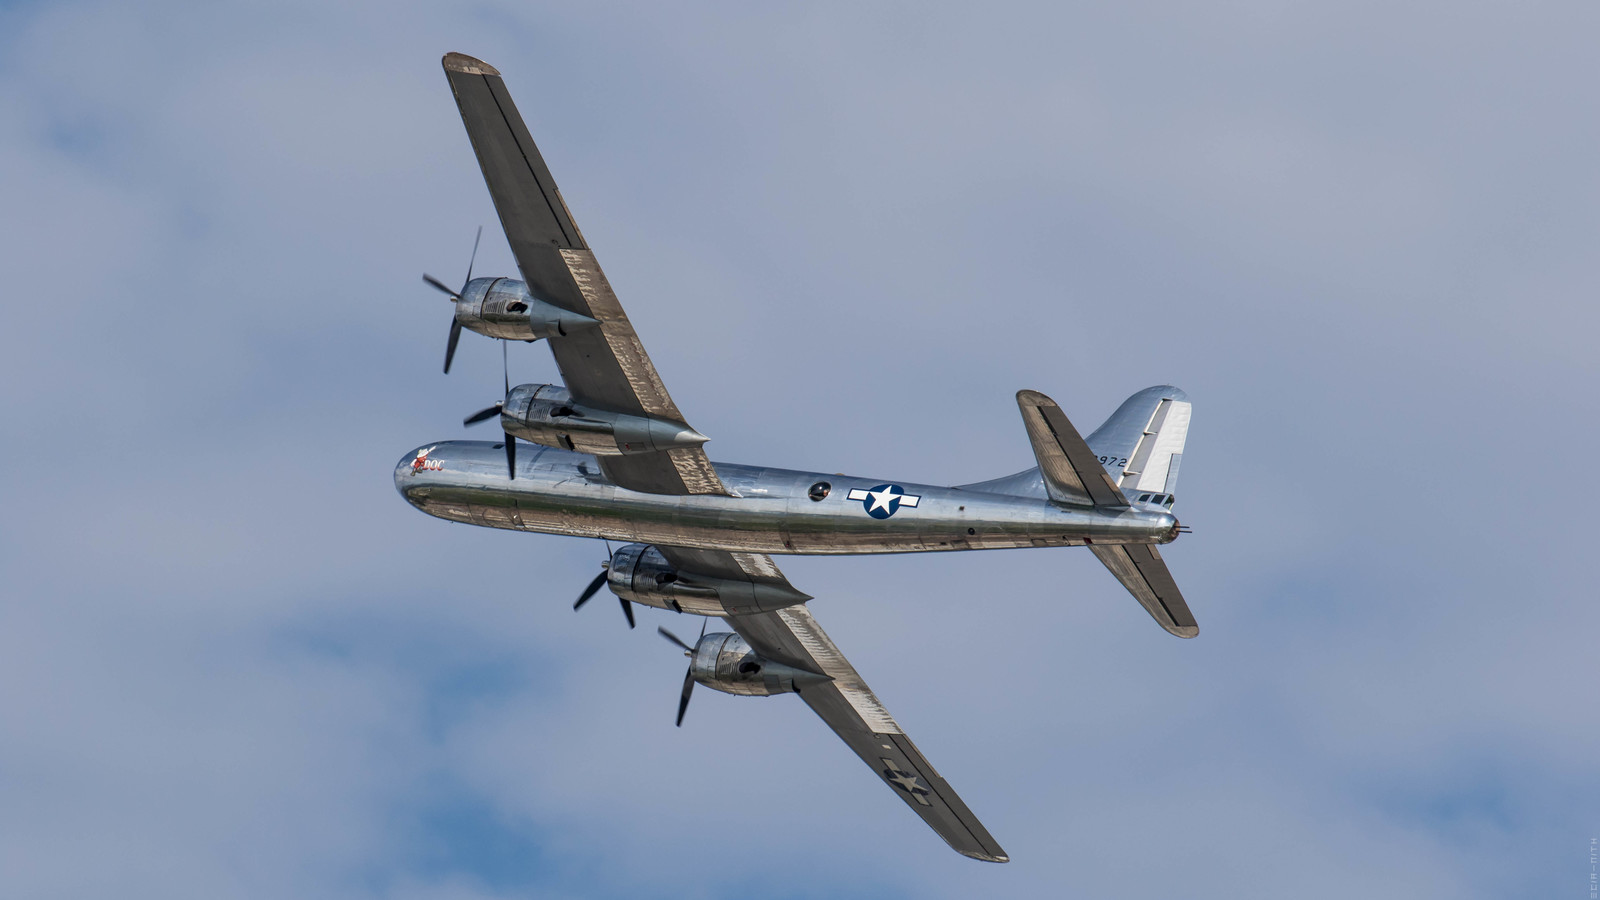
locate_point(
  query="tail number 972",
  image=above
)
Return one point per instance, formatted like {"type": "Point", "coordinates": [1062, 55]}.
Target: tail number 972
{"type": "Point", "coordinates": [1113, 461]}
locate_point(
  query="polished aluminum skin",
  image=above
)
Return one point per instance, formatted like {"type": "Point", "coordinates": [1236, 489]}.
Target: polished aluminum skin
{"type": "Point", "coordinates": [502, 308]}
{"type": "Point", "coordinates": [639, 573]}
{"type": "Point", "coordinates": [547, 414]}
{"type": "Point", "coordinates": [723, 662]}
{"type": "Point", "coordinates": [776, 511]}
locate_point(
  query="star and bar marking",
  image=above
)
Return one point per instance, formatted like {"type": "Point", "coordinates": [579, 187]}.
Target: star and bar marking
{"type": "Point", "coordinates": [884, 500]}
{"type": "Point", "coordinates": [905, 781]}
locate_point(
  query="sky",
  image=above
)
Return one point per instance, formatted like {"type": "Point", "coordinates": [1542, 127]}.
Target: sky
{"type": "Point", "coordinates": [1362, 236]}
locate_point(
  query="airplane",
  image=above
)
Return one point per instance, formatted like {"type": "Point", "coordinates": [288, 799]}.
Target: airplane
{"type": "Point", "coordinates": [614, 458]}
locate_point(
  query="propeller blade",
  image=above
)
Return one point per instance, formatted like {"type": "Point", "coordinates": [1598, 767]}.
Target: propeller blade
{"type": "Point", "coordinates": [590, 591]}
{"type": "Point", "coordinates": [454, 294]}
{"type": "Point", "coordinates": [472, 259]}
{"type": "Point", "coordinates": [688, 688]}
{"type": "Point", "coordinates": [674, 638]}
{"type": "Point", "coordinates": [482, 415]}
{"type": "Point", "coordinates": [450, 348]}
{"type": "Point", "coordinates": [511, 456]}
{"type": "Point", "coordinates": [505, 368]}
{"type": "Point", "coordinates": [627, 610]}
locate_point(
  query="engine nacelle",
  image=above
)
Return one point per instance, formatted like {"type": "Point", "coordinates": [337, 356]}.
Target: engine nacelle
{"type": "Point", "coordinates": [545, 414]}
{"type": "Point", "coordinates": [503, 308]}
{"type": "Point", "coordinates": [724, 662]}
{"type": "Point", "coordinates": [639, 573]}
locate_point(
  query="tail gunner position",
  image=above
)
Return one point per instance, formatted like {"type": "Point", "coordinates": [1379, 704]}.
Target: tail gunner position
{"type": "Point", "coordinates": [613, 458]}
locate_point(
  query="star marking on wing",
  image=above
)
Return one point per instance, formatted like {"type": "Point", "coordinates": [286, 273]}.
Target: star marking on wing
{"type": "Point", "coordinates": [906, 781]}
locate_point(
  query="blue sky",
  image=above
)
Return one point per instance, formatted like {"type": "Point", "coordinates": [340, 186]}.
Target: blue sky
{"type": "Point", "coordinates": [1362, 237]}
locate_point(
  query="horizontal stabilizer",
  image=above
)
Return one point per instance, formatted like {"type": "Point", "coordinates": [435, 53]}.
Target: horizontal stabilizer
{"type": "Point", "coordinates": [1072, 473]}
{"type": "Point", "coordinates": [1144, 573]}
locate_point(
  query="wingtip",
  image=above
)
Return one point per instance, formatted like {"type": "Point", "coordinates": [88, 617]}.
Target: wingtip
{"type": "Point", "coordinates": [460, 62]}
{"type": "Point", "coordinates": [985, 857]}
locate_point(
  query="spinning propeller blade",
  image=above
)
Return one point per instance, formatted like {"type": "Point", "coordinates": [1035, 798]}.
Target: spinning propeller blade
{"type": "Point", "coordinates": [674, 638]}
{"type": "Point", "coordinates": [490, 412]}
{"type": "Point", "coordinates": [683, 699]}
{"type": "Point", "coordinates": [482, 415]}
{"type": "Point", "coordinates": [450, 348]}
{"type": "Point", "coordinates": [505, 373]}
{"type": "Point", "coordinates": [455, 297]}
{"type": "Point", "coordinates": [591, 590]}
{"type": "Point", "coordinates": [441, 286]}
{"type": "Point", "coordinates": [594, 588]}
{"type": "Point", "coordinates": [688, 678]}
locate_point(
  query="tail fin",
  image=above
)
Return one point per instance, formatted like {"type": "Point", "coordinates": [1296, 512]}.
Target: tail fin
{"type": "Point", "coordinates": [1141, 445]}
{"type": "Point", "coordinates": [1140, 448]}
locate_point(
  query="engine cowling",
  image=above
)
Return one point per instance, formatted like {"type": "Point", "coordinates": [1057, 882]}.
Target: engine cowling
{"type": "Point", "coordinates": [546, 414]}
{"type": "Point", "coordinates": [639, 573]}
{"type": "Point", "coordinates": [503, 308]}
{"type": "Point", "coordinates": [723, 662]}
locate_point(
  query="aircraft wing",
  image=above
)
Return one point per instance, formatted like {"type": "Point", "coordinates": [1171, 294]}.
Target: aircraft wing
{"type": "Point", "coordinates": [791, 636]}
{"type": "Point", "coordinates": [604, 367]}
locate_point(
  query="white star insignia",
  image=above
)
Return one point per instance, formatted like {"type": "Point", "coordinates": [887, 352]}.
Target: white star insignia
{"type": "Point", "coordinates": [905, 781]}
{"type": "Point", "coordinates": [882, 499]}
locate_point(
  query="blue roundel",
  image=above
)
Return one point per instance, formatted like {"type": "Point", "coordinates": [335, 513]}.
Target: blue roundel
{"type": "Point", "coordinates": [884, 500]}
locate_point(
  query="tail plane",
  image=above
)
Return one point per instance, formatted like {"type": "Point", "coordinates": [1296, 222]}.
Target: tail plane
{"type": "Point", "coordinates": [1132, 460]}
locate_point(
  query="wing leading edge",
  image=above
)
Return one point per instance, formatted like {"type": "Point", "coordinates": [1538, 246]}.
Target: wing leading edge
{"type": "Point", "coordinates": [606, 366]}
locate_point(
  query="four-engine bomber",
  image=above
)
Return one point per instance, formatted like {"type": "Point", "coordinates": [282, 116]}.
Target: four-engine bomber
{"type": "Point", "coordinates": [615, 458]}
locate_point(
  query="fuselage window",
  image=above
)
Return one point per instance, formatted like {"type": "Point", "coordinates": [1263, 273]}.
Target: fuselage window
{"type": "Point", "coordinates": [1144, 498]}
{"type": "Point", "coordinates": [819, 490]}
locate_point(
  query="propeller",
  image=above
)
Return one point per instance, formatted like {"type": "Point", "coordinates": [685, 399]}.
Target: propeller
{"type": "Point", "coordinates": [487, 413]}
{"type": "Point", "coordinates": [455, 297]}
{"type": "Point", "coordinates": [688, 678]}
{"type": "Point", "coordinates": [594, 588]}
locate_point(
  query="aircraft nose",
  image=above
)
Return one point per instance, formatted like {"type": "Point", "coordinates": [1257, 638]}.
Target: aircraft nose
{"type": "Point", "coordinates": [410, 466]}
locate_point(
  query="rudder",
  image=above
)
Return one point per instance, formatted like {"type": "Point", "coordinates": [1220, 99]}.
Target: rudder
{"type": "Point", "coordinates": [1141, 445]}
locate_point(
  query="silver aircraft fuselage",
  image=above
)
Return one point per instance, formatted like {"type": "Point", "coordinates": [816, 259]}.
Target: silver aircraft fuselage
{"type": "Point", "coordinates": [778, 511]}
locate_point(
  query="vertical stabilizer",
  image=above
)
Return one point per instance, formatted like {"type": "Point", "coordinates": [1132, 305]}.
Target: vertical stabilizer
{"type": "Point", "coordinates": [1141, 445]}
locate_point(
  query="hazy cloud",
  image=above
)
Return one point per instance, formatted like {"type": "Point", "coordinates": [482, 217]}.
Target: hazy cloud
{"type": "Point", "coordinates": [1361, 237]}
